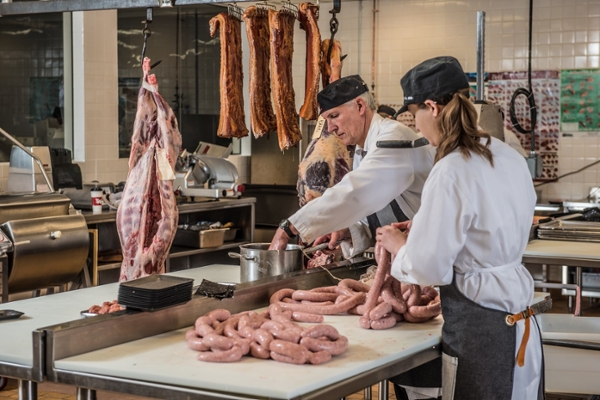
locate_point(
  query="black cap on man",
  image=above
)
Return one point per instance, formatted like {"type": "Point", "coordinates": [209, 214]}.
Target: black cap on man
{"type": "Point", "coordinates": [340, 92]}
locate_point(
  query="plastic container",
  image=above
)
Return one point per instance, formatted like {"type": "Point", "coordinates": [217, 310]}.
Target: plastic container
{"type": "Point", "coordinates": [96, 200]}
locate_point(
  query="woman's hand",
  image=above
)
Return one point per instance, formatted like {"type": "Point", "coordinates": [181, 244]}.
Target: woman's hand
{"type": "Point", "coordinates": [403, 226]}
{"type": "Point", "coordinates": [391, 238]}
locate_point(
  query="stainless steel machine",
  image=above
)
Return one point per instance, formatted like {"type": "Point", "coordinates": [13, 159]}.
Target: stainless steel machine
{"type": "Point", "coordinates": [41, 244]}
{"type": "Point", "coordinates": [206, 173]}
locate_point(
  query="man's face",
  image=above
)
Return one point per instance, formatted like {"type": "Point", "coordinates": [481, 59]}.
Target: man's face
{"type": "Point", "coordinates": [347, 122]}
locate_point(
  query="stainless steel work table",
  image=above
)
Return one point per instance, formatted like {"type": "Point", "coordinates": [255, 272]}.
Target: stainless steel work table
{"type": "Point", "coordinates": [22, 346]}
{"type": "Point", "coordinates": [146, 353]}
{"type": "Point", "coordinates": [557, 252]}
{"type": "Point", "coordinates": [162, 366]}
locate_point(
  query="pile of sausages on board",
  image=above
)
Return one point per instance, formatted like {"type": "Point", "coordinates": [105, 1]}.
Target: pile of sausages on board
{"type": "Point", "coordinates": [222, 337]}
{"type": "Point", "coordinates": [381, 305]}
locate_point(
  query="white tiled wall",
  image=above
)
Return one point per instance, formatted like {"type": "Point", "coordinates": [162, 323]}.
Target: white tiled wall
{"type": "Point", "coordinates": [101, 112]}
{"type": "Point", "coordinates": [566, 34]}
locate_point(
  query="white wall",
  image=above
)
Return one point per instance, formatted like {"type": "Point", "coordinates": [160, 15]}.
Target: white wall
{"type": "Point", "coordinates": [566, 34]}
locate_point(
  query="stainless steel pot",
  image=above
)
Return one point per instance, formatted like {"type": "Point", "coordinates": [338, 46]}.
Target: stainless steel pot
{"type": "Point", "coordinates": [257, 261]}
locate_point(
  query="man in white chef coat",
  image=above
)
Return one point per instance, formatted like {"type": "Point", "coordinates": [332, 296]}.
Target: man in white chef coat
{"type": "Point", "coordinates": [384, 186]}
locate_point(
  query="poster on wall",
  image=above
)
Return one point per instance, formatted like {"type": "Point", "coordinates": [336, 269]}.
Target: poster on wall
{"type": "Point", "coordinates": [579, 94]}
{"type": "Point", "coordinates": [545, 86]}
{"type": "Point", "coordinates": [499, 89]}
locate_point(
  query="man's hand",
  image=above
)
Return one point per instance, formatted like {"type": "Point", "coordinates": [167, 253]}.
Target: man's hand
{"type": "Point", "coordinates": [280, 240]}
{"type": "Point", "coordinates": [333, 238]}
{"type": "Point", "coordinates": [391, 238]}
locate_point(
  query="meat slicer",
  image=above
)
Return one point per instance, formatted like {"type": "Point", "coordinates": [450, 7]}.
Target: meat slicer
{"type": "Point", "coordinates": [206, 173]}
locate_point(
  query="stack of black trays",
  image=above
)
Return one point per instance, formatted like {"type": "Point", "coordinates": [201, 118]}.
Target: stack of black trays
{"type": "Point", "coordinates": [154, 292]}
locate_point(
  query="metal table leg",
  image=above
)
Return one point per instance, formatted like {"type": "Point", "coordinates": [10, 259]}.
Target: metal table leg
{"type": "Point", "coordinates": [578, 282]}
{"type": "Point", "coordinates": [368, 393]}
{"type": "Point", "coordinates": [27, 390]}
{"type": "Point", "coordinates": [544, 275]}
{"type": "Point", "coordinates": [4, 269]}
{"type": "Point", "coordinates": [86, 394]}
{"type": "Point", "coordinates": [383, 390]}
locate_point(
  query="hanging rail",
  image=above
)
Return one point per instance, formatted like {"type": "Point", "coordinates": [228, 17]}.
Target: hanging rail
{"type": "Point", "coordinates": [39, 7]}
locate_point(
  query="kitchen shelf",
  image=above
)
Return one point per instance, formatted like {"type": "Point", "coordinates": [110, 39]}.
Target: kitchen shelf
{"type": "Point", "coordinates": [178, 251]}
{"type": "Point", "coordinates": [238, 211]}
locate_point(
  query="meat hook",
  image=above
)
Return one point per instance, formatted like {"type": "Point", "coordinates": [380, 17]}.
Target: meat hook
{"type": "Point", "coordinates": [234, 11]}
{"type": "Point", "coordinates": [333, 26]}
{"type": "Point", "coordinates": [290, 8]}
{"type": "Point", "coordinates": [146, 32]}
{"type": "Point", "coordinates": [264, 7]}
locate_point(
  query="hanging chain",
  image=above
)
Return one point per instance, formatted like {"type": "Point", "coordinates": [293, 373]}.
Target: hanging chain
{"type": "Point", "coordinates": [146, 32]}
{"type": "Point", "coordinates": [333, 28]}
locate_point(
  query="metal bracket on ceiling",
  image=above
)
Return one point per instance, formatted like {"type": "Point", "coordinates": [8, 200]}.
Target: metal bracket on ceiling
{"type": "Point", "coordinates": [165, 3]}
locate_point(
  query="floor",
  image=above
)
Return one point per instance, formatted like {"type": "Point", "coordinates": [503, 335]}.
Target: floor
{"type": "Point", "coordinates": [48, 390]}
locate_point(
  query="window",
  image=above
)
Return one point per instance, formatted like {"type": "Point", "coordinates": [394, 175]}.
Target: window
{"type": "Point", "coordinates": [188, 77]}
{"type": "Point", "coordinates": [32, 88]}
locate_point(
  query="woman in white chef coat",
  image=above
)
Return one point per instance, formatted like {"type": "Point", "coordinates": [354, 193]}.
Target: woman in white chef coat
{"type": "Point", "coordinates": [468, 237]}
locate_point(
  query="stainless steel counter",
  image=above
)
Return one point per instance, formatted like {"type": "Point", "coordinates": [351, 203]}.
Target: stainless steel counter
{"type": "Point", "coordinates": [145, 353]}
{"type": "Point", "coordinates": [573, 254]}
{"type": "Point", "coordinates": [184, 208]}
{"type": "Point", "coordinates": [22, 345]}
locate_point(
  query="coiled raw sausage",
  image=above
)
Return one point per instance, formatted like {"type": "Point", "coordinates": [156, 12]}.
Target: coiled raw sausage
{"type": "Point", "coordinates": [231, 355]}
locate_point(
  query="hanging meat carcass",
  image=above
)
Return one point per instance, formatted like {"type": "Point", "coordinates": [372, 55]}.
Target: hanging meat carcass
{"type": "Point", "coordinates": [281, 24]}
{"type": "Point", "coordinates": [325, 163]}
{"type": "Point", "coordinates": [331, 71]}
{"type": "Point", "coordinates": [232, 118]}
{"type": "Point", "coordinates": [147, 215]}
{"type": "Point", "coordinates": [307, 15]}
{"type": "Point", "coordinates": [262, 117]}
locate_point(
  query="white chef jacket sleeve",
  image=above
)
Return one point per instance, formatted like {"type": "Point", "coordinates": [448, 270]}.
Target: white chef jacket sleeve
{"type": "Point", "coordinates": [382, 176]}
{"type": "Point", "coordinates": [437, 235]}
{"type": "Point", "coordinates": [361, 239]}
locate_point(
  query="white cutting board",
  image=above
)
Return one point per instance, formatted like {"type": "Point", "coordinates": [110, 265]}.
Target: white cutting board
{"type": "Point", "coordinates": [16, 334]}
{"type": "Point", "coordinates": [166, 359]}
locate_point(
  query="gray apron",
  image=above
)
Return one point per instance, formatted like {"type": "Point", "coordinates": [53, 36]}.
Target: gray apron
{"type": "Point", "coordinates": [478, 350]}
{"type": "Point", "coordinates": [386, 216]}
